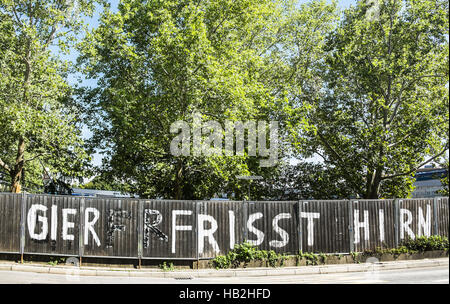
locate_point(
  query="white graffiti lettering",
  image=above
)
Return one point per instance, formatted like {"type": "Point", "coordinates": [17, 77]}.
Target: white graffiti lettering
{"type": "Point", "coordinates": [176, 227]}
{"type": "Point", "coordinates": [404, 225]}
{"type": "Point", "coordinates": [259, 234]}
{"type": "Point", "coordinates": [357, 224]}
{"type": "Point", "coordinates": [31, 221]}
{"type": "Point", "coordinates": [424, 224]}
{"type": "Point", "coordinates": [310, 226]}
{"type": "Point", "coordinates": [283, 233]}
{"type": "Point", "coordinates": [208, 233]}
{"type": "Point", "coordinates": [89, 225]}
{"type": "Point", "coordinates": [66, 225]}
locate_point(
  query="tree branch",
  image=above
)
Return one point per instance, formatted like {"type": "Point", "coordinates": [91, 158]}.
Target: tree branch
{"type": "Point", "coordinates": [329, 146]}
{"type": "Point", "coordinates": [17, 16]}
{"type": "Point", "coordinates": [49, 38]}
{"type": "Point", "coordinates": [37, 156]}
{"type": "Point", "coordinates": [5, 166]}
{"type": "Point", "coordinates": [399, 101]}
{"type": "Point", "coordinates": [416, 167]}
{"type": "Point", "coordinates": [401, 140]}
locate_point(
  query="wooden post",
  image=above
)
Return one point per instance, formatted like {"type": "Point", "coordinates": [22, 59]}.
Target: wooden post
{"type": "Point", "coordinates": [22, 226]}
{"type": "Point", "coordinates": [299, 228]}
{"type": "Point", "coordinates": [396, 222]}
{"type": "Point", "coordinates": [351, 230]}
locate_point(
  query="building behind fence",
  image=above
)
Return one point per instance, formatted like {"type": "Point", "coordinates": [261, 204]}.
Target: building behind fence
{"type": "Point", "coordinates": [193, 230]}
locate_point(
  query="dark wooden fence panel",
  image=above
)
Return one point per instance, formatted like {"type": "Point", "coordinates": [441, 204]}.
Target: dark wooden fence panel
{"type": "Point", "coordinates": [52, 225]}
{"type": "Point", "coordinates": [273, 226]}
{"type": "Point", "coordinates": [157, 229]}
{"type": "Point", "coordinates": [416, 217]}
{"type": "Point", "coordinates": [110, 227]}
{"type": "Point", "coordinates": [442, 217]}
{"type": "Point", "coordinates": [10, 215]}
{"type": "Point", "coordinates": [325, 226]}
{"type": "Point", "coordinates": [373, 224]}
{"type": "Point", "coordinates": [220, 226]}
{"type": "Point", "coordinates": [169, 229]}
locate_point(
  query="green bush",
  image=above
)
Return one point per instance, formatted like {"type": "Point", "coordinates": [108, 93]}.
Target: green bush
{"type": "Point", "coordinates": [166, 266]}
{"type": "Point", "coordinates": [56, 260]}
{"type": "Point", "coordinates": [312, 258]}
{"type": "Point", "coordinates": [419, 244]}
{"type": "Point", "coordinates": [222, 262]}
{"type": "Point", "coordinates": [424, 243]}
{"type": "Point", "coordinates": [246, 253]}
{"type": "Point", "coordinates": [394, 251]}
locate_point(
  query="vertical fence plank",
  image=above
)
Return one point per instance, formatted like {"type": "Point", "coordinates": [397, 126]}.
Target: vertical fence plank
{"type": "Point", "coordinates": [435, 215]}
{"type": "Point", "coordinates": [397, 222]}
{"type": "Point", "coordinates": [140, 229]}
{"type": "Point", "coordinates": [22, 224]}
{"type": "Point", "coordinates": [443, 216]}
{"type": "Point", "coordinates": [198, 209]}
{"type": "Point", "coordinates": [299, 226]}
{"type": "Point", "coordinates": [351, 229]}
{"type": "Point", "coordinates": [245, 219]}
{"type": "Point", "coordinates": [81, 228]}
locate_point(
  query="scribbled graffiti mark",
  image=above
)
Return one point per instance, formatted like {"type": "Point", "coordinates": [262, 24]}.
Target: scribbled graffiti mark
{"type": "Point", "coordinates": [115, 223]}
{"type": "Point", "coordinates": [150, 226]}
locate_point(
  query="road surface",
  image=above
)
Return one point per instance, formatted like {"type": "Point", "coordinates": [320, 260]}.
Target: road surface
{"type": "Point", "coordinates": [426, 275]}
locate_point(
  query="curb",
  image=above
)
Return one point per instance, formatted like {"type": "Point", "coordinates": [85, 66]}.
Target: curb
{"type": "Point", "coordinates": [248, 272]}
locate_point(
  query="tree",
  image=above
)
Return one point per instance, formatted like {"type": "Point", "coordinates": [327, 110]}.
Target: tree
{"type": "Point", "coordinates": [444, 180]}
{"type": "Point", "coordinates": [38, 127]}
{"type": "Point", "coordinates": [384, 109]}
{"type": "Point", "coordinates": [303, 181]}
{"type": "Point", "coordinates": [158, 62]}
{"type": "Point", "coordinates": [101, 182]}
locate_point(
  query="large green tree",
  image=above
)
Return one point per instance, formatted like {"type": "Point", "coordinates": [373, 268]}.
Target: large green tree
{"type": "Point", "coordinates": [38, 125]}
{"type": "Point", "coordinates": [304, 180]}
{"type": "Point", "coordinates": [157, 62]}
{"type": "Point", "coordinates": [444, 180]}
{"type": "Point", "coordinates": [384, 109]}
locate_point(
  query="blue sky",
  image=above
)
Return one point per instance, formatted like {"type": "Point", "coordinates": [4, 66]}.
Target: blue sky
{"type": "Point", "coordinates": [93, 23]}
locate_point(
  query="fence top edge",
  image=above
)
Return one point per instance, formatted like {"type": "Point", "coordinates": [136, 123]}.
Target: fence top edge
{"type": "Point", "coordinates": [217, 201]}
{"type": "Point", "coordinates": [423, 198]}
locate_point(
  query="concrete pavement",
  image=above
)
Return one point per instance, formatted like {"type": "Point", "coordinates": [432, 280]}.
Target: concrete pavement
{"type": "Point", "coordinates": [424, 275]}
{"type": "Point", "coordinates": [210, 273]}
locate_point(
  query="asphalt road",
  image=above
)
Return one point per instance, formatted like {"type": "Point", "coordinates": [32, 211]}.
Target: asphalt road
{"type": "Point", "coordinates": [426, 275]}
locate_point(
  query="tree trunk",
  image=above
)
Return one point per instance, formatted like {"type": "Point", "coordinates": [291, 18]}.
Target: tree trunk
{"type": "Point", "coordinates": [373, 185]}
{"type": "Point", "coordinates": [16, 173]}
{"type": "Point", "coordinates": [178, 191]}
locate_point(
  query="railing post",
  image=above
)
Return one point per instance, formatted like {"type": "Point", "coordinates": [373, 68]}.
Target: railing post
{"type": "Point", "coordinates": [351, 230]}
{"type": "Point", "coordinates": [81, 230]}
{"type": "Point", "coordinates": [140, 231]}
{"type": "Point", "coordinates": [435, 216]}
{"type": "Point", "coordinates": [396, 222]}
{"type": "Point", "coordinates": [299, 226]}
{"type": "Point", "coordinates": [245, 215]}
{"type": "Point", "coordinates": [197, 212]}
{"type": "Point", "coordinates": [23, 216]}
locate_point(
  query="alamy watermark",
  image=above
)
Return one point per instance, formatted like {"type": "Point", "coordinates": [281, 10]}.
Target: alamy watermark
{"type": "Point", "coordinates": [373, 12]}
{"type": "Point", "coordinates": [208, 139]}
